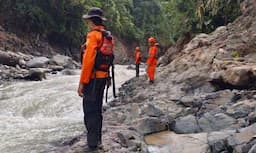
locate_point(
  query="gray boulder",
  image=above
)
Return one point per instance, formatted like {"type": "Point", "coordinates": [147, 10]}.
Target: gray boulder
{"type": "Point", "coordinates": [69, 72]}
{"type": "Point", "coordinates": [239, 110]}
{"type": "Point", "coordinates": [38, 62]}
{"type": "Point", "coordinates": [36, 74]}
{"type": "Point", "coordinates": [9, 58]}
{"type": "Point", "coordinates": [209, 122]}
{"type": "Point", "coordinates": [253, 149]}
{"type": "Point", "coordinates": [187, 124]}
{"type": "Point", "coordinates": [64, 61]}
{"type": "Point", "coordinates": [152, 111]}
{"type": "Point", "coordinates": [149, 125]}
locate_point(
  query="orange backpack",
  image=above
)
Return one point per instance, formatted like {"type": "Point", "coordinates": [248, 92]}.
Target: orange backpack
{"type": "Point", "coordinates": [105, 56]}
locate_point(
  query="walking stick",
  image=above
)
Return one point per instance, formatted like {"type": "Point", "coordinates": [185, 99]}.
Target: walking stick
{"type": "Point", "coordinates": [113, 81]}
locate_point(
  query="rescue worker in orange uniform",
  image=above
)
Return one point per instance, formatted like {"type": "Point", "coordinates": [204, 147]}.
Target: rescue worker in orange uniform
{"type": "Point", "coordinates": [151, 61]}
{"type": "Point", "coordinates": [137, 60]}
{"type": "Point", "coordinates": [92, 83]}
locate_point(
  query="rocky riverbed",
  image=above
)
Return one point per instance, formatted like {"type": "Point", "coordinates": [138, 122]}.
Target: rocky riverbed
{"type": "Point", "coordinates": [205, 95]}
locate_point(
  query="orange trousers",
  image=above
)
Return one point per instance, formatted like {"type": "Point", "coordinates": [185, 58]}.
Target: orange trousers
{"type": "Point", "coordinates": [151, 72]}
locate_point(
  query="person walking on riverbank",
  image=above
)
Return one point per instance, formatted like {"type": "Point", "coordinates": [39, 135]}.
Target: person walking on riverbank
{"type": "Point", "coordinates": [152, 60]}
{"type": "Point", "coordinates": [93, 77]}
{"type": "Point", "coordinates": [137, 60]}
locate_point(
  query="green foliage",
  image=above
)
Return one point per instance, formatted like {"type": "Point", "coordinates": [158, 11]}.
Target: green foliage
{"type": "Point", "coordinates": [58, 20]}
{"type": "Point", "coordinates": [131, 20]}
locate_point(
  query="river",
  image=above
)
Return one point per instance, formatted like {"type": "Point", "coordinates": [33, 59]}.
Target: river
{"type": "Point", "coordinates": [36, 116]}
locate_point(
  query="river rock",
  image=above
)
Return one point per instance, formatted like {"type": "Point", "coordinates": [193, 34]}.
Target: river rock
{"type": "Point", "coordinates": [238, 76]}
{"type": "Point", "coordinates": [70, 72]}
{"type": "Point", "coordinates": [209, 122]}
{"type": "Point", "coordinates": [152, 111]}
{"type": "Point", "coordinates": [9, 58]}
{"type": "Point", "coordinates": [149, 125]}
{"type": "Point", "coordinates": [55, 67]}
{"type": "Point", "coordinates": [253, 149]}
{"type": "Point", "coordinates": [38, 62]}
{"type": "Point", "coordinates": [238, 140]}
{"type": "Point", "coordinates": [239, 110]}
{"type": "Point", "coordinates": [36, 74]}
{"type": "Point", "coordinates": [187, 124]}
{"type": "Point", "coordinates": [64, 61]}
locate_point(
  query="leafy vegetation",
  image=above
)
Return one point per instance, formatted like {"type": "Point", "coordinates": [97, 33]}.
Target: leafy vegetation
{"type": "Point", "coordinates": [131, 20]}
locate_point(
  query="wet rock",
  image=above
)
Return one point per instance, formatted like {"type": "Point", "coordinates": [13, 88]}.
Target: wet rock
{"type": "Point", "coordinates": [209, 122]}
{"type": "Point", "coordinates": [64, 61]}
{"type": "Point", "coordinates": [149, 125]}
{"type": "Point", "coordinates": [9, 58]}
{"type": "Point", "coordinates": [135, 112]}
{"type": "Point", "coordinates": [187, 124]}
{"type": "Point", "coordinates": [189, 101]}
{"type": "Point", "coordinates": [253, 149]}
{"type": "Point", "coordinates": [252, 117]}
{"type": "Point", "coordinates": [238, 140]}
{"type": "Point", "coordinates": [69, 72]}
{"type": "Point", "coordinates": [239, 110]}
{"type": "Point", "coordinates": [56, 67]}
{"type": "Point", "coordinates": [36, 74]}
{"type": "Point", "coordinates": [38, 62]}
{"type": "Point", "coordinates": [246, 147]}
{"type": "Point", "coordinates": [238, 76]}
{"type": "Point", "coordinates": [219, 147]}
{"type": "Point", "coordinates": [217, 141]}
{"type": "Point", "coordinates": [123, 139]}
{"type": "Point", "coordinates": [152, 111]}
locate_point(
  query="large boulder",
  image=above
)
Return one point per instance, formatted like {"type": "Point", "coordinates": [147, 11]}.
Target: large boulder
{"type": "Point", "coordinates": [9, 58]}
{"type": "Point", "coordinates": [209, 122]}
{"type": "Point", "coordinates": [239, 110]}
{"type": "Point", "coordinates": [238, 76]}
{"type": "Point", "coordinates": [149, 125]}
{"type": "Point", "coordinates": [36, 74]}
{"type": "Point", "coordinates": [38, 62]}
{"type": "Point", "coordinates": [187, 124]}
{"type": "Point", "coordinates": [65, 61]}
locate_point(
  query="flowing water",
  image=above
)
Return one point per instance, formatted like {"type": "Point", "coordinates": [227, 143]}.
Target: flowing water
{"type": "Point", "coordinates": [35, 116]}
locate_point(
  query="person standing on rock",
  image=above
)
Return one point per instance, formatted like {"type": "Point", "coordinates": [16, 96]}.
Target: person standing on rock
{"type": "Point", "coordinates": [151, 61]}
{"type": "Point", "coordinates": [93, 78]}
{"type": "Point", "coordinates": [137, 60]}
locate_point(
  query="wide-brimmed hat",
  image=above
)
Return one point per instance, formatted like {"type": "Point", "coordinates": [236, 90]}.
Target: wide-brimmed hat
{"type": "Point", "coordinates": [95, 12]}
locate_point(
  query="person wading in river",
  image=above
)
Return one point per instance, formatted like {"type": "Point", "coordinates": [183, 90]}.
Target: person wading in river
{"type": "Point", "coordinates": [94, 75]}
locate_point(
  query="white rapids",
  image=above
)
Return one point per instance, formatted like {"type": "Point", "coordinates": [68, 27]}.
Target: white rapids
{"type": "Point", "coordinates": [36, 115]}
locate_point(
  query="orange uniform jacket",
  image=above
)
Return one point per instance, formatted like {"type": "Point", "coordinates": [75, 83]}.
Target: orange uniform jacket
{"type": "Point", "coordinates": [152, 56]}
{"type": "Point", "coordinates": [151, 61]}
{"type": "Point", "coordinates": [93, 41]}
{"type": "Point", "coordinates": [137, 57]}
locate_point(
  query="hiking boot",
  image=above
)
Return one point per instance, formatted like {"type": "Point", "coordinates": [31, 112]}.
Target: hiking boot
{"type": "Point", "coordinates": [100, 146]}
{"type": "Point", "coordinates": [90, 149]}
{"type": "Point", "coordinates": [151, 81]}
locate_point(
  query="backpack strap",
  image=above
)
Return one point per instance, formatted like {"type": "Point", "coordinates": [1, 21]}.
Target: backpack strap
{"type": "Point", "coordinates": [102, 37]}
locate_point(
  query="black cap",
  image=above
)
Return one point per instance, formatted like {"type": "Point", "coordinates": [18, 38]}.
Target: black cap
{"type": "Point", "coordinates": [94, 12]}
